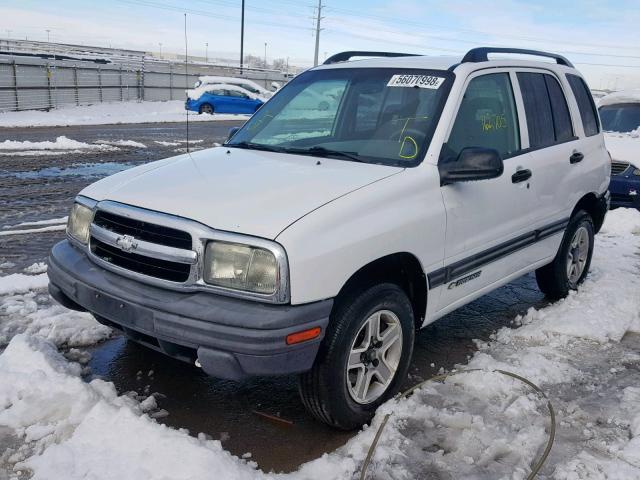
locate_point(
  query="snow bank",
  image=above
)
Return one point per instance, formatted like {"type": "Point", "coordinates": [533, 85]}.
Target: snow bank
{"type": "Point", "coordinates": [50, 228]}
{"type": "Point", "coordinates": [109, 113]}
{"type": "Point", "coordinates": [479, 425]}
{"type": "Point", "coordinates": [18, 283]}
{"type": "Point", "coordinates": [50, 221]}
{"type": "Point", "coordinates": [33, 313]}
{"type": "Point", "coordinates": [122, 143]}
{"type": "Point", "coordinates": [60, 143]}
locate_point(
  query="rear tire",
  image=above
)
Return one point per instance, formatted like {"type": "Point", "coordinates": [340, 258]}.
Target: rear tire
{"type": "Point", "coordinates": [571, 264]}
{"type": "Point", "coordinates": [206, 108]}
{"type": "Point", "coordinates": [369, 338]}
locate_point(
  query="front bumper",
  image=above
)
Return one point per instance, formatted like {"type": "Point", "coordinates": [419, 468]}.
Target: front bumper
{"type": "Point", "coordinates": [625, 191]}
{"type": "Point", "coordinates": [230, 338]}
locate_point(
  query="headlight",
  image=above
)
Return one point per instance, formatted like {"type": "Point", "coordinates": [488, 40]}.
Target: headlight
{"type": "Point", "coordinates": [79, 221]}
{"type": "Point", "coordinates": [241, 267]}
{"type": "Point", "coordinates": [637, 172]}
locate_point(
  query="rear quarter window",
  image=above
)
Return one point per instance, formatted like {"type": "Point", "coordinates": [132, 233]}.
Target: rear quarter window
{"type": "Point", "coordinates": [586, 105]}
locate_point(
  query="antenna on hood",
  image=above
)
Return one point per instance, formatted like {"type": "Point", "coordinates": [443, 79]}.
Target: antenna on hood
{"type": "Point", "coordinates": [186, 75]}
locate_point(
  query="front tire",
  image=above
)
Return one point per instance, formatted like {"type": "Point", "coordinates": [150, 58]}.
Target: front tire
{"type": "Point", "coordinates": [363, 359]}
{"type": "Point", "coordinates": [571, 264]}
{"type": "Point", "coordinates": [206, 108]}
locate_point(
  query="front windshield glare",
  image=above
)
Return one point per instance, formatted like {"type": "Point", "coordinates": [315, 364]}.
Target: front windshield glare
{"type": "Point", "coordinates": [371, 115]}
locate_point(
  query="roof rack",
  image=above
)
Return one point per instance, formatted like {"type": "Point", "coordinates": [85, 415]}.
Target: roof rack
{"type": "Point", "coordinates": [480, 54]}
{"type": "Point", "coordinates": [344, 56]}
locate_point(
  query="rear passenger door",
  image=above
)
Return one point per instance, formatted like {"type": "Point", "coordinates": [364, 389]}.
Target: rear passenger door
{"type": "Point", "coordinates": [556, 151]}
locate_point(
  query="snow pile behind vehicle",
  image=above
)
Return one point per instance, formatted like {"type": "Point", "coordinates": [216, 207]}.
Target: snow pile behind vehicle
{"type": "Point", "coordinates": [480, 425]}
{"type": "Point", "coordinates": [623, 96]}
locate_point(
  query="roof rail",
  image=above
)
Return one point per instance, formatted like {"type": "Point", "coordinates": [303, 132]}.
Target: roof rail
{"type": "Point", "coordinates": [481, 54]}
{"type": "Point", "coordinates": [344, 56]}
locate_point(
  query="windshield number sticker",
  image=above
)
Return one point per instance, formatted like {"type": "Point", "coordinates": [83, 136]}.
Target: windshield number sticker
{"type": "Point", "coordinates": [420, 81]}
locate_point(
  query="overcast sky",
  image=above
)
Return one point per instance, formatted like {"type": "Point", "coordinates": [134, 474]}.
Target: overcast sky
{"type": "Point", "coordinates": [590, 33]}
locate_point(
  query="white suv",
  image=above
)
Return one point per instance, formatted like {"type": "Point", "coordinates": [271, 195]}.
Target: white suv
{"type": "Point", "coordinates": [318, 240]}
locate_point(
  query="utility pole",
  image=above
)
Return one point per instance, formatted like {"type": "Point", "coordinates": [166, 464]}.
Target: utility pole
{"type": "Point", "coordinates": [318, 19]}
{"type": "Point", "coordinates": [206, 52]}
{"type": "Point", "coordinates": [242, 38]}
{"type": "Point", "coordinates": [265, 55]}
{"type": "Point", "coordinates": [47, 35]}
{"type": "Point", "coordinates": [160, 44]}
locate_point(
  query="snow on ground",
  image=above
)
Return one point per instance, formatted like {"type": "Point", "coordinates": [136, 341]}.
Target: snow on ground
{"type": "Point", "coordinates": [109, 113]}
{"type": "Point", "coordinates": [50, 221]}
{"type": "Point", "coordinates": [480, 425]}
{"type": "Point", "coordinates": [50, 228]}
{"type": "Point", "coordinates": [122, 143]}
{"type": "Point", "coordinates": [60, 143]}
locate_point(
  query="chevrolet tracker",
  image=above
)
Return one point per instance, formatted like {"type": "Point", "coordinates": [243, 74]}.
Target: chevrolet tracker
{"type": "Point", "coordinates": [366, 199]}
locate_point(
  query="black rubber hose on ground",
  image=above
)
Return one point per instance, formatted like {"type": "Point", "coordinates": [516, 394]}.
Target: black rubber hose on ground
{"type": "Point", "coordinates": [552, 416]}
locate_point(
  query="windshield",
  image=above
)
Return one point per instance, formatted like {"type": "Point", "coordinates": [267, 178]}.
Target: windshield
{"type": "Point", "coordinates": [384, 116]}
{"type": "Point", "coordinates": [623, 117]}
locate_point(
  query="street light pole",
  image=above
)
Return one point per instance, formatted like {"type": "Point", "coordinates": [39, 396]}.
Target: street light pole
{"type": "Point", "coordinates": [160, 44]}
{"type": "Point", "coordinates": [242, 38]}
{"type": "Point", "coordinates": [206, 52]}
{"type": "Point", "coordinates": [265, 55]}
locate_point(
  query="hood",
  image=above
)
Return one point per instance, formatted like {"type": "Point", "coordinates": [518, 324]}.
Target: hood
{"type": "Point", "coordinates": [624, 147]}
{"type": "Point", "coordinates": [245, 191]}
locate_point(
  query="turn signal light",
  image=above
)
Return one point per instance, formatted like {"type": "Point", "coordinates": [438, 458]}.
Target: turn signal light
{"type": "Point", "coordinates": [303, 336]}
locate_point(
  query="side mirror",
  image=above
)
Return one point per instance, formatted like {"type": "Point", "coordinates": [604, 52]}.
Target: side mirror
{"type": "Point", "coordinates": [473, 163]}
{"type": "Point", "coordinates": [232, 132]}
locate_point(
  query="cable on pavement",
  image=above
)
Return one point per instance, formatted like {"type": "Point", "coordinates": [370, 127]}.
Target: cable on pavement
{"type": "Point", "coordinates": [552, 417]}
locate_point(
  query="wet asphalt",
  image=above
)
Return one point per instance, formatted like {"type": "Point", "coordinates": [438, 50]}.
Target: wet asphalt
{"type": "Point", "coordinates": [42, 187]}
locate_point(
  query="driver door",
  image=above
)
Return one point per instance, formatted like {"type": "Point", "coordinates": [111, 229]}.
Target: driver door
{"type": "Point", "coordinates": [486, 219]}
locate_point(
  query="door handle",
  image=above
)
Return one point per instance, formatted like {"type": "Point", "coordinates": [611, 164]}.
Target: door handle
{"type": "Point", "coordinates": [576, 157]}
{"type": "Point", "coordinates": [521, 176]}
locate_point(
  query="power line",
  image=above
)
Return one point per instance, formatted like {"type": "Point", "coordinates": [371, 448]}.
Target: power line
{"type": "Point", "coordinates": [405, 21]}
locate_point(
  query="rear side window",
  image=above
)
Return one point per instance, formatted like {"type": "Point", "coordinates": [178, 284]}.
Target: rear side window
{"type": "Point", "coordinates": [487, 118]}
{"type": "Point", "coordinates": [561, 117]}
{"type": "Point", "coordinates": [538, 109]}
{"type": "Point", "coordinates": [585, 104]}
{"type": "Point", "coordinates": [548, 118]}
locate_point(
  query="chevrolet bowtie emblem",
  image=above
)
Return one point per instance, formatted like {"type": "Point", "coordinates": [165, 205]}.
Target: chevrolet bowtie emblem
{"type": "Point", "coordinates": [126, 243]}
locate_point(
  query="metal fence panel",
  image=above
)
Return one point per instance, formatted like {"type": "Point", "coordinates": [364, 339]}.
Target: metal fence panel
{"type": "Point", "coordinates": [43, 83]}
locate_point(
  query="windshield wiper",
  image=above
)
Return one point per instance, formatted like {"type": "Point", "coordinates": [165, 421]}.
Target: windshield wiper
{"type": "Point", "coordinates": [255, 146]}
{"type": "Point", "coordinates": [325, 152]}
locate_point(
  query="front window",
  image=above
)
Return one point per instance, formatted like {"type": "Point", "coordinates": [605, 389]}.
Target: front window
{"type": "Point", "coordinates": [384, 116]}
{"type": "Point", "coordinates": [623, 117]}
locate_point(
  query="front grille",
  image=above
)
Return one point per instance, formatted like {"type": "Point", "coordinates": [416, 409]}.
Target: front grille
{"type": "Point", "coordinates": [174, 271]}
{"type": "Point", "coordinates": [617, 168]}
{"type": "Point", "coordinates": [148, 232]}
{"type": "Point", "coordinates": [153, 267]}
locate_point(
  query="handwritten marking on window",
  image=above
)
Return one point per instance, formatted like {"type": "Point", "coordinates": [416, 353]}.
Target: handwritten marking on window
{"type": "Point", "coordinates": [410, 144]}
{"type": "Point", "coordinates": [491, 122]}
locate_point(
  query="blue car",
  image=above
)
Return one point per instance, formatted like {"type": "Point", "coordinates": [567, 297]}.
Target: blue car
{"type": "Point", "coordinates": [621, 122]}
{"type": "Point", "coordinates": [224, 101]}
